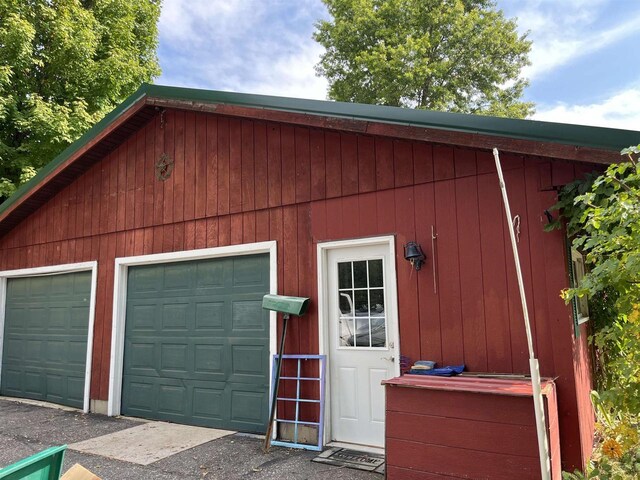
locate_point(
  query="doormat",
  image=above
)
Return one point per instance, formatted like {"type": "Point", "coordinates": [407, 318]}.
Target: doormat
{"type": "Point", "coordinates": [342, 457]}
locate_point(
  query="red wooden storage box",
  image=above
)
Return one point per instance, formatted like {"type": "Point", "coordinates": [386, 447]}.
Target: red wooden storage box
{"type": "Point", "coordinates": [466, 427]}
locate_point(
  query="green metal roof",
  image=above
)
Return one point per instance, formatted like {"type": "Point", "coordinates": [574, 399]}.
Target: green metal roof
{"type": "Point", "coordinates": [595, 137]}
{"type": "Point", "coordinates": [546, 132]}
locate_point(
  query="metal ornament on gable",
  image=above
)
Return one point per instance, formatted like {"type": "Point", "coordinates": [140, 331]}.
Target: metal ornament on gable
{"type": "Point", "coordinates": [164, 165]}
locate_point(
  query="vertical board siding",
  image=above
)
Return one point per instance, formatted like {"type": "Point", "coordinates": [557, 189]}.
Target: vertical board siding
{"type": "Point", "coordinates": [261, 166]}
{"type": "Point", "coordinates": [471, 267]}
{"type": "Point", "coordinates": [190, 172]}
{"type": "Point", "coordinates": [235, 165]}
{"type": "Point", "coordinates": [494, 276]}
{"type": "Point", "coordinates": [240, 181]}
{"type": "Point", "coordinates": [248, 167]}
{"type": "Point", "coordinates": [436, 441]}
{"type": "Point", "coordinates": [451, 326]}
{"type": "Point", "coordinates": [517, 199]}
{"type": "Point", "coordinates": [303, 165]}
{"type": "Point", "coordinates": [223, 166]}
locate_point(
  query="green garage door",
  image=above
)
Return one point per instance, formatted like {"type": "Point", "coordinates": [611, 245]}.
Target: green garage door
{"type": "Point", "coordinates": [45, 338]}
{"type": "Point", "coordinates": [197, 343]}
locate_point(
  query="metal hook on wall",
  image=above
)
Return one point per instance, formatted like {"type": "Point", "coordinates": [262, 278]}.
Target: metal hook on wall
{"type": "Point", "coordinates": [516, 227]}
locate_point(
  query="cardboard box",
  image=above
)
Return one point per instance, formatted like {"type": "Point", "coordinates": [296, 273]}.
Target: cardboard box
{"type": "Point", "coordinates": [78, 472]}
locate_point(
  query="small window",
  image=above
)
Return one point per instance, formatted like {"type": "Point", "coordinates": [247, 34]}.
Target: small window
{"type": "Point", "coordinates": [581, 304]}
{"type": "Point", "coordinates": [362, 321]}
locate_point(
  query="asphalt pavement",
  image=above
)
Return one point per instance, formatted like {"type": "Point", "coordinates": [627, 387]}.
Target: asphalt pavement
{"type": "Point", "coordinates": [26, 429]}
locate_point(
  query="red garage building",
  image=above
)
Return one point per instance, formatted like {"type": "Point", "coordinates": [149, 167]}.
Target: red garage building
{"type": "Point", "coordinates": [133, 265]}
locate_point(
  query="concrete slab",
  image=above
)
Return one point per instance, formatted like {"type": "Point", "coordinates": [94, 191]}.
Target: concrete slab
{"type": "Point", "coordinates": [149, 443]}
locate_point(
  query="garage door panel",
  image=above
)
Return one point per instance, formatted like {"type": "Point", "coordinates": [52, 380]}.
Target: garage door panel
{"type": "Point", "coordinates": [210, 316]}
{"type": "Point", "coordinates": [33, 381]}
{"type": "Point", "coordinates": [59, 318]}
{"type": "Point", "coordinates": [13, 349]}
{"type": "Point", "coordinates": [197, 347]}
{"type": "Point", "coordinates": [175, 316]}
{"type": "Point", "coordinates": [209, 359]}
{"type": "Point", "coordinates": [145, 280]}
{"type": "Point", "coordinates": [172, 399]}
{"type": "Point", "coordinates": [45, 345]}
{"type": "Point", "coordinates": [56, 351]}
{"type": "Point", "coordinates": [174, 358]}
{"type": "Point", "coordinates": [39, 287]}
{"type": "Point", "coordinates": [178, 278]}
{"type": "Point", "coordinates": [12, 381]}
{"type": "Point", "coordinates": [34, 350]}
{"type": "Point", "coordinates": [78, 317]}
{"type": "Point", "coordinates": [248, 271]}
{"type": "Point", "coordinates": [36, 319]}
{"type": "Point", "coordinates": [249, 363]}
{"type": "Point", "coordinates": [139, 396]}
{"type": "Point", "coordinates": [142, 316]}
{"type": "Point", "coordinates": [248, 315]}
{"type": "Point", "coordinates": [61, 285]}
{"type": "Point", "coordinates": [75, 389]}
{"type": "Point", "coordinates": [208, 404]}
{"type": "Point", "coordinates": [141, 356]}
{"type": "Point", "coordinates": [15, 319]}
{"type": "Point", "coordinates": [56, 386]}
{"type": "Point", "coordinates": [247, 406]}
{"type": "Point", "coordinates": [211, 274]}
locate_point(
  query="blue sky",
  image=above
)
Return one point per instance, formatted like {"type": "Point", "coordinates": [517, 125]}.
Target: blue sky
{"type": "Point", "coordinates": [585, 65]}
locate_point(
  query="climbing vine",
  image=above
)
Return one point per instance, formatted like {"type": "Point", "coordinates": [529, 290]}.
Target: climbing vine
{"type": "Point", "coordinates": [602, 217]}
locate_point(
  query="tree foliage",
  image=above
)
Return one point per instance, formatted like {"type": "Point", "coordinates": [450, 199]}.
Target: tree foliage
{"type": "Point", "coordinates": [63, 65]}
{"type": "Point", "coordinates": [602, 214]}
{"type": "Point", "coordinates": [452, 55]}
{"type": "Point", "coordinates": [603, 217]}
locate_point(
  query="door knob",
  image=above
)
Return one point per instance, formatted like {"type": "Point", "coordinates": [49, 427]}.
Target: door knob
{"type": "Point", "coordinates": [391, 359]}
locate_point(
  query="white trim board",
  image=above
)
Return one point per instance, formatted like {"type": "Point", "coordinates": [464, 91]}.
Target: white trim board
{"type": "Point", "coordinates": [57, 270]}
{"type": "Point", "coordinates": [120, 301]}
{"type": "Point", "coordinates": [323, 323]}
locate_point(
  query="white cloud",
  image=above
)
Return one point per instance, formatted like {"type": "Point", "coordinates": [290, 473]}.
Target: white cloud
{"type": "Point", "coordinates": [292, 75]}
{"type": "Point", "coordinates": [244, 45]}
{"type": "Point", "coordinates": [621, 110]}
{"type": "Point", "coordinates": [567, 30]}
{"type": "Point", "coordinates": [190, 23]}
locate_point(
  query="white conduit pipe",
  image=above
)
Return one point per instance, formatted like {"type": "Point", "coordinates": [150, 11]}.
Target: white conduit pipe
{"type": "Point", "coordinates": [543, 449]}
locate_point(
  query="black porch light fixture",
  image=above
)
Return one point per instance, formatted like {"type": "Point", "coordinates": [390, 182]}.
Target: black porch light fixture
{"type": "Point", "coordinates": [413, 253]}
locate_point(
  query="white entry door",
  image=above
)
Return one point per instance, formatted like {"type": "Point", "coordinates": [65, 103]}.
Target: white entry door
{"type": "Point", "coordinates": [362, 348]}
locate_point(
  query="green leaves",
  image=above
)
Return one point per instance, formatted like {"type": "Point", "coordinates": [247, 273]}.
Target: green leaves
{"type": "Point", "coordinates": [456, 55]}
{"type": "Point", "coordinates": [63, 65]}
{"type": "Point", "coordinates": [602, 215]}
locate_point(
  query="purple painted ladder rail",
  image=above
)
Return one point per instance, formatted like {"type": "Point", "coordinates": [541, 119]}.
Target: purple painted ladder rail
{"type": "Point", "coordinates": [298, 378]}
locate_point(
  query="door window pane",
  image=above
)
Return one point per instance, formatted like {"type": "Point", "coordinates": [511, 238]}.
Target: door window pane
{"type": "Point", "coordinates": [345, 331]}
{"type": "Point", "coordinates": [360, 274]}
{"type": "Point", "coordinates": [378, 332]}
{"type": "Point", "coordinates": [361, 303]}
{"type": "Point", "coordinates": [376, 302]}
{"type": "Point", "coordinates": [346, 303]}
{"type": "Point", "coordinates": [375, 273]}
{"type": "Point", "coordinates": [362, 336]}
{"type": "Point", "coordinates": [344, 275]}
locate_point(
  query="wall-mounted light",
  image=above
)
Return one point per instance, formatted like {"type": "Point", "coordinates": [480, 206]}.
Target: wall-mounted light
{"type": "Point", "coordinates": [413, 253]}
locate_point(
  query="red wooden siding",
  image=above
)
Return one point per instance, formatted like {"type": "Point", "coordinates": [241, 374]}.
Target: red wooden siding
{"type": "Point", "coordinates": [428, 425]}
{"type": "Point", "coordinates": [238, 181]}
